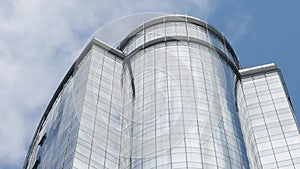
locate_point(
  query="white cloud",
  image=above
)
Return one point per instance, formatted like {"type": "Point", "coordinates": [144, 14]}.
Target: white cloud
{"type": "Point", "coordinates": [39, 40]}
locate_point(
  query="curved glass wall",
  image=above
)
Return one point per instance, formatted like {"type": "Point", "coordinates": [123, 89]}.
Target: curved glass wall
{"type": "Point", "coordinates": [183, 104]}
{"type": "Point", "coordinates": [184, 99]}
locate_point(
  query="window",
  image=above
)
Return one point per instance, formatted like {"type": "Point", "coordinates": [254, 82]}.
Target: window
{"type": "Point", "coordinates": [43, 139]}
{"type": "Point", "coordinates": [36, 164]}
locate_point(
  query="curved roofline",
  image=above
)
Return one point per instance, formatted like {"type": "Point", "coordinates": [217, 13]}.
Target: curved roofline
{"type": "Point", "coordinates": [180, 18]}
{"type": "Point", "coordinates": [166, 39]}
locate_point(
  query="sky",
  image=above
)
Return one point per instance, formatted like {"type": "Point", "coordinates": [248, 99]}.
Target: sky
{"type": "Point", "coordinates": [40, 39]}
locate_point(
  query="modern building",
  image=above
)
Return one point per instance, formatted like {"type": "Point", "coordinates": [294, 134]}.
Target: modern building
{"type": "Point", "coordinates": [172, 94]}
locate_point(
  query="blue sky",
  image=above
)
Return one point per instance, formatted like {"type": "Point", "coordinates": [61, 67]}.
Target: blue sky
{"type": "Point", "coordinates": [40, 39]}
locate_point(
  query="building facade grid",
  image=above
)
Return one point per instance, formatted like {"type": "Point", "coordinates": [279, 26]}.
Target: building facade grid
{"type": "Point", "coordinates": [171, 95]}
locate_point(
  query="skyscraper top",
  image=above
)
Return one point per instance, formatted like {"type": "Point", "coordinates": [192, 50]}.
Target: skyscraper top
{"type": "Point", "coordinates": [171, 95]}
{"type": "Point", "coordinates": [186, 28]}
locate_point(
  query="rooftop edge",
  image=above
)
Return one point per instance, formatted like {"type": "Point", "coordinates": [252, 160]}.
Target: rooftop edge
{"type": "Point", "coordinates": [258, 70]}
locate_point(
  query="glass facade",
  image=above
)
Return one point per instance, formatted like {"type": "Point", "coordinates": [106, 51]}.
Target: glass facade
{"type": "Point", "coordinates": [270, 130]}
{"type": "Point", "coordinates": [172, 95]}
{"type": "Point", "coordinates": [182, 108]}
{"type": "Point", "coordinates": [56, 138]}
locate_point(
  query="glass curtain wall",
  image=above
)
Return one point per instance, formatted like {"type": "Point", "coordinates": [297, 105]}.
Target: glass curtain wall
{"type": "Point", "coordinates": [183, 110]}
{"type": "Point", "coordinates": [271, 134]}
{"type": "Point", "coordinates": [55, 141]}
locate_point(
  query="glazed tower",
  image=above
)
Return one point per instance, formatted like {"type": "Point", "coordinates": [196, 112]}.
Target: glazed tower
{"type": "Point", "coordinates": [172, 94]}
